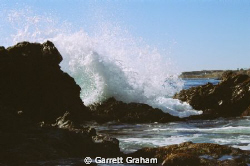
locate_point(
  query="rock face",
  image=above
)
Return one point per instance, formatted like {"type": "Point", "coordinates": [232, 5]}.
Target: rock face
{"type": "Point", "coordinates": [199, 154]}
{"type": "Point", "coordinates": [230, 98]}
{"type": "Point", "coordinates": [113, 110]}
{"type": "Point", "coordinates": [37, 143]}
{"type": "Point", "coordinates": [246, 112]}
{"type": "Point", "coordinates": [33, 83]}
{"type": "Point", "coordinates": [41, 114]}
{"type": "Point", "coordinates": [41, 110]}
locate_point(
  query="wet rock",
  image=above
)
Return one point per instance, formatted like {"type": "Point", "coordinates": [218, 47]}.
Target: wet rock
{"type": "Point", "coordinates": [182, 159]}
{"type": "Point", "coordinates": [189, 153]}
{"type": "Point", "coordinates": [113, 110]}
{"type": "Point", "coordinates": [230, 98]}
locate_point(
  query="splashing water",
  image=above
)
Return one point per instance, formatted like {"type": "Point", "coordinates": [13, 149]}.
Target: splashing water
{"type": "Point", "coordinates": [110, 62]}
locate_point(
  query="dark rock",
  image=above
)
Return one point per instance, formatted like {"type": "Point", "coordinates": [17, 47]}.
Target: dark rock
{"type": "Point", "coordinates": [189, 153]}
{"type": "Point", "coordinates": [49, 143]}
{"type": "Point", "coordinates": [182, 159]}
{"type": "Point", "coordinates": [113, 110]}
{"type": "Point", "coordinates": [246, 112]}
{"type": "Point", "coordinates": [229, 98]}
{"type": "Point", "coordinates": [24, 142]}
{"type": "Point", "coordinates": [41, 113]}
{"type": "Point", "coordinates": [227, 74]}
{"type": "Point", "coordinates": [32, 82]}
{"type": "Point", "coordinates": [64, 122]}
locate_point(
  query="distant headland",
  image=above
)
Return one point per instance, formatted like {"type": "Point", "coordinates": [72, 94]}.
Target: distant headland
{"type": "Point", "coordinates": [214, 74]}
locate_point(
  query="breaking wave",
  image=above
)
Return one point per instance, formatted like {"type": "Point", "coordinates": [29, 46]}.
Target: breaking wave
{"type": "Point", "coordinates": [106, 62]}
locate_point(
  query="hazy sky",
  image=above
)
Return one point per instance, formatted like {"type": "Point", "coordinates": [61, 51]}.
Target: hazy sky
{"type": "Point", "coordinates": [198, 34]}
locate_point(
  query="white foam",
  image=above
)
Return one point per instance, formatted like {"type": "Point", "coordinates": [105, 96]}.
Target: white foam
{"type": "Point", "coordinates": [246, 147]}
{"type": "Point", "coordinates": [229, 129]}
{"type": "Point", "coordinates": [108, 63]}
{"type": "Point", "coordinates": [155, 141]}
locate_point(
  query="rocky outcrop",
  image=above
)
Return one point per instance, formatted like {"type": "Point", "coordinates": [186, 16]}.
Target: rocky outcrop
{"type": "Point", "coordinates": [230, 98]}
{"type": "Point", "coordinates": [246, 112]}
{"type": "Point", "coordinates": [44, 143]}
{"type": "Point", "coordinates": [198, 154]}
{"type": "Point", "coordinates": [113, 110]}
{"type": "Point", "coordinates": [41, 114]}
{"type": "Point", "coordinates": [33, 83]}
{"type": "Point", "coordinates": [23, 142]}
{"type": "Point", "coordinates": [41, 111]}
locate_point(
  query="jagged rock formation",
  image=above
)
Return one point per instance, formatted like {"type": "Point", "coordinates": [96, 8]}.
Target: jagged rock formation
{"type": "Point", "coordinates": [41, 110]}
{"type": "Point", "coordinates": [33, 83]}
{"type": "Point", "coordinates": [113, 110]}
{"type": "Point", "coordinates": [230, 98]}
{"type": "Point", "coordinates": [199, 154]}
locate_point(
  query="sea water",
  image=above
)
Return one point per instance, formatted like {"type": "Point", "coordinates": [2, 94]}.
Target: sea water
{"type": "Point", "coordinates": [231, 131]}
{"type": "Point", "coordinates": [110, 62]}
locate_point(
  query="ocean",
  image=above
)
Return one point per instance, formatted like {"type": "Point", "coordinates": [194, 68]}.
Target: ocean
{"type": "Point", "coordinates": [233, 131]}
{"type": "Point", "coordinates": [106, 61]}
{"type": "Point", "coordinates": [110, 62]}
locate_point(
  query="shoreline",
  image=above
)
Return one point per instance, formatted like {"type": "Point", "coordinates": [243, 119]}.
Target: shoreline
{"type": "Point", "coordinates": [42, 115]}
{"type": "Point", "coordinates": [211, 74]}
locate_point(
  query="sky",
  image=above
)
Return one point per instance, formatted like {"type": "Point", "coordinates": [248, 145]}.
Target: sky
{"type": "Point", "coordinates": [196, 34]}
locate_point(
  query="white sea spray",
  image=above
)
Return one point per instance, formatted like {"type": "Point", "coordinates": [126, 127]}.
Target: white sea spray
{"type": "Point", "coordinates": [108, 62]}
